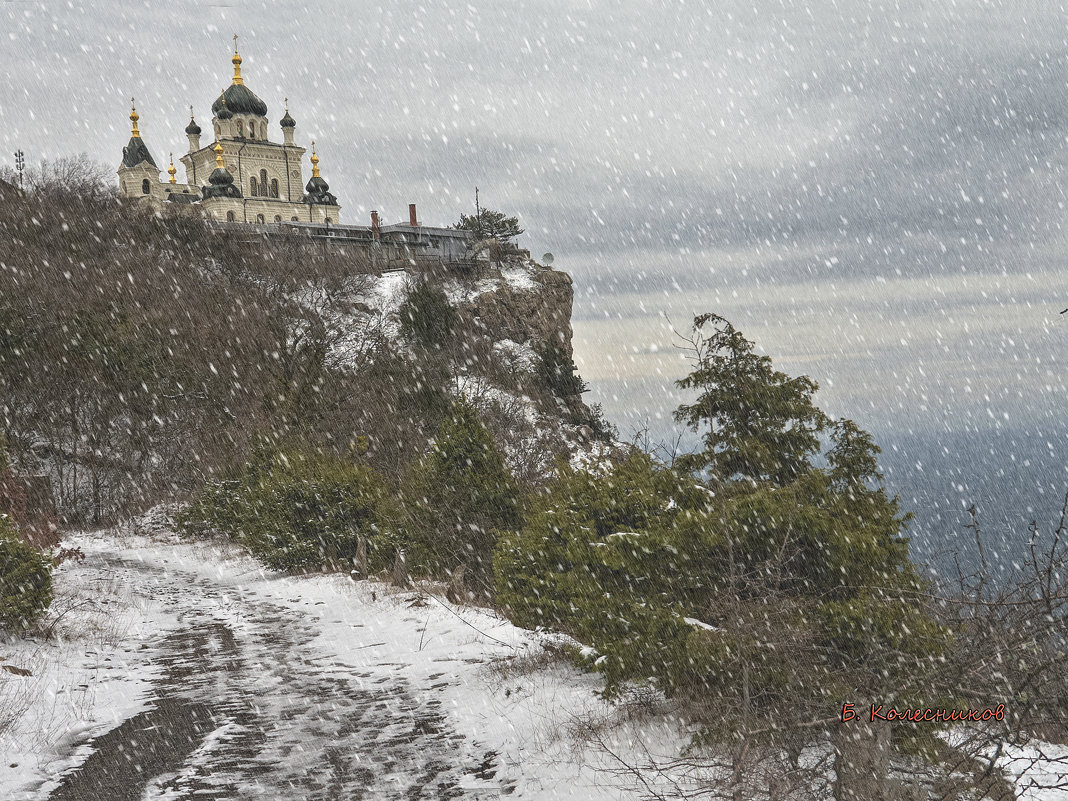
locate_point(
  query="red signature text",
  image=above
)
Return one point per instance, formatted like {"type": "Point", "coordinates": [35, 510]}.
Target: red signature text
{"type": "Point", "coordinates": [925, 715]}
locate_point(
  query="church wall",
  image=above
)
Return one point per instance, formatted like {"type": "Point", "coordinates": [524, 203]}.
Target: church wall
{"type": "Point", "coordinates": [249, 161]}
{"type": "Point", "coordinates": [244, 163]}
{"type": "Point", "coordinates": [248, 209]}
{"type": "Point", "coordinates": [240, 127]}
{"type": "Point", "coordinates": [131, 178]}
{"type": "Point", "coordinates": [321, 213]}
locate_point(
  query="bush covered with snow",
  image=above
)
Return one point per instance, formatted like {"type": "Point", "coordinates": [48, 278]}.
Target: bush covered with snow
{"type": "Point", "coordinates": [297, 511]}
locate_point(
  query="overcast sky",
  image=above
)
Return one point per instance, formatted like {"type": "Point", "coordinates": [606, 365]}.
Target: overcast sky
{"type": "Point", "coordinates": [874, 191]}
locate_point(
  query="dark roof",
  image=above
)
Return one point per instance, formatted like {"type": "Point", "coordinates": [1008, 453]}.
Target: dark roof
{"type": "Point", "coordinates": [136, 152]}
{"type": "Point", "coordinates": [223, 111]}
{"type": "Point", "coordinates": [192, 127]}
{"type": "Point", "coordinates": [319, 192]}
{"type": "Point", "coordinates": [287, 121]}
{"type": "Point", "coordinates": [183, 197]}
{"type": "Point", "coordinates": [221, 184]}
{"type": "Point", "coordinates": [239, 99]}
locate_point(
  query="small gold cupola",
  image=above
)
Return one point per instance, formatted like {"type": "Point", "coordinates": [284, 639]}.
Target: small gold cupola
{"type": "Point", "coordinates": [171, 170]}
{"type": "Point", "coordinates": [318, 190]}
{"type": "Point", "coordinates": [134, 117]}
{"type": "Point", "coordinates": [238, 80]}
{"type": "Point", "coordinates": [218, 154]}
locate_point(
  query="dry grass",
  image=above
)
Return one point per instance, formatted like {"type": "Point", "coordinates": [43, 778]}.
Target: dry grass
{"type": "Point", "coordinates": [89, 615]}
{"type": "Point", "coordinates": [548, 655]}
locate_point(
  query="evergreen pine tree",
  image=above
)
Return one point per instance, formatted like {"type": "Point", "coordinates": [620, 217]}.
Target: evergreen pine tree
{"type": "Point", "coordinates": [459, 497]}
{"type": "Point", "coordinates": [757, 423]}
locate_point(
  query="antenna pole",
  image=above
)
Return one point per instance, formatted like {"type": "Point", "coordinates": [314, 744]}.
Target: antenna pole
{"type": "Point", "coordinates": [20, 165]}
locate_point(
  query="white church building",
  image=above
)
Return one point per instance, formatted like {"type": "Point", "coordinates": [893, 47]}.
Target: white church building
{"type": "Point", "coordinates": [240, 175]}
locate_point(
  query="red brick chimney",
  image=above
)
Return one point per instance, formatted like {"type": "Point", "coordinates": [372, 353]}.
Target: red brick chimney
{"type": "Point", "coordinates": [374, 225]}
{"type": "Point", "coordinates": [413, 220]}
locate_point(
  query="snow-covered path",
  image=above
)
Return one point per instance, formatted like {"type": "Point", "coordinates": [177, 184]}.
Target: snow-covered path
{"type": "Point", "coordinates": [235, 683]}
{"type": "Point", "coordinates": [246, 708]}
{"type": "Point", "coordinates": [198, 675]}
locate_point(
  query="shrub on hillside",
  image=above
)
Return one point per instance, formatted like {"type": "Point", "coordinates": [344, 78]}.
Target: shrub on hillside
{"type": "Point", "coordinates": [557, 374]}
{"type": "Point", "coordinates": [298, 512]}
{"type": "Point", "coordinates": [426, 317]}
{"type": "Point", "coordinates": [458, 499]}
{"type": "Point", "coordinates": [25, 580]}
{"type": "Point", "coordinates": [557, 371]}
{"type": "Point", "coordinates": [747, 579]}
{"type": "Point", "coordinates": [617, 559]}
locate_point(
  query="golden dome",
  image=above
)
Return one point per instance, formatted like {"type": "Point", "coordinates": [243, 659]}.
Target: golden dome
{"type": "Point", "coordinates": [134, 117]}
{"type": "Point", "coordinates": [236, 60]}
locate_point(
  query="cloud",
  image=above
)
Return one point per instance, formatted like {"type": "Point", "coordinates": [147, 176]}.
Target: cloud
{"type": "Point", "coordinates": [825, 173]}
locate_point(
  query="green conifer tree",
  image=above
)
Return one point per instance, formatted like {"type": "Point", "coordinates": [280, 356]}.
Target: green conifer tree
{"type": "Point", "coordinates": [755, 422]}
{"type": "Point", "coordinates": [459, 497]}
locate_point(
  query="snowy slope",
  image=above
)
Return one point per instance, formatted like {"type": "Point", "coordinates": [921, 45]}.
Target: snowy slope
{"type": "Point", "coordinates": [311, 687]}
{"type": "Point", "coordinates": [435, 688]}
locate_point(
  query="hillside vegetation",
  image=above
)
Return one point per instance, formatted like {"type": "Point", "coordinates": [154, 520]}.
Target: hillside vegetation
{"type": "Point", "coordinates": [431, 426]}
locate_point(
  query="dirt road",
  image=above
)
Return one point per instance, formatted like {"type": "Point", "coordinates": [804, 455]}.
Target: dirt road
{"type": "Point", "coordinates": [246, 708]}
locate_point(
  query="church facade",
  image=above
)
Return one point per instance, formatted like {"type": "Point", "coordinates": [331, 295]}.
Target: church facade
{"type": "Point", "coordinates": [240, 174]}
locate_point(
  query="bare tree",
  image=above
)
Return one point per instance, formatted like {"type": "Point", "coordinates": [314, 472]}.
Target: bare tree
{"type": "Point", "coordinates": [67, 176]}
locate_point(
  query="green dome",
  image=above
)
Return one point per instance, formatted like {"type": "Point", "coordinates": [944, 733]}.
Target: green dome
{"type": "Point", "coordinates": [220, 176]}
{"type": "Point", "coordinates": [221, 110]}
{"type": "Point", "coordinates": [136, 152]}
{"type": "Point", "coordinates": [239, 99]}
{"type": "Point", "coordinates": [221, 184]}
{"type": "Point", "coordinates": [319, 193]}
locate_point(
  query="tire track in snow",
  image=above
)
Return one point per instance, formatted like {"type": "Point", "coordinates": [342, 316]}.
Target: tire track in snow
{"type": "Point", "coordinates": [244, 710]}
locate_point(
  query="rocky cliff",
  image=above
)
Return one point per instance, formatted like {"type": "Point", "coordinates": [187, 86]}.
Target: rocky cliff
{"type": "Point", "coordinates": [523, 302]}
{"type": "Point", "coordinates": [507, 311]}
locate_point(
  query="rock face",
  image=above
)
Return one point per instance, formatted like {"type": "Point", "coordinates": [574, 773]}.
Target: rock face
{"type": "Point", "coordinates": [530, 302]}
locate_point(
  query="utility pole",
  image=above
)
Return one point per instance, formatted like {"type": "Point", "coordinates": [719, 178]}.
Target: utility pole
{"type": "Point", "coordinates": [20, 165]}
{"type": "Point", "coordinates": [478, 216]}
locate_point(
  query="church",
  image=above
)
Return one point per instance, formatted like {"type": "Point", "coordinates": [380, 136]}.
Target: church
{"type": "Point", "coordinates": [241, 175]}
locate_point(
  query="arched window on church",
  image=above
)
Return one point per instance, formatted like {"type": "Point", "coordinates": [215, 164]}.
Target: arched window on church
{"type": "Point", "coordinates": [264, 188]}
{"type": "Point", "coordinates": [259, 219]}
{"type": "Point", "coordinates": [230, 217]}
{"type": "Point", "coordinates": [252, 130]}
{"type": "Point", "coordinates": [252, 187]}
{"type": "Point", "coordinates": [274, 187]}
{"type": "Point", "coordinates": [278, 218]}
{"type": "Point", "coordinates": [146, 187]}
{"type": "Point", "coordinates": [241, 129]}
{"type": "Point", "coordinates": [294, 219]}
